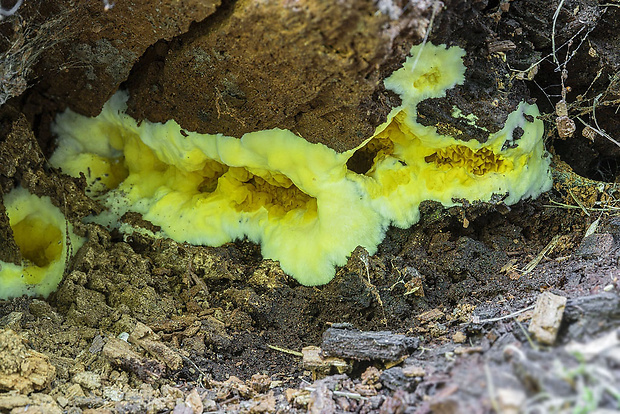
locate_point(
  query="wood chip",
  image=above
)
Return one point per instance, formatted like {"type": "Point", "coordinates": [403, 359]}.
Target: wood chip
{"type": "Point", "coordinates": [144, 337]}
{"type": "Point", "coordinates": [431, 315]}
{"type": "Point", "coordinates": [547, 317]}
{"type": "Point", "coordinates": [322, 366]}
{"type": "Point", "coordinates": [413, 371]}
{"type": "Point", "coordinates": [358, 345]}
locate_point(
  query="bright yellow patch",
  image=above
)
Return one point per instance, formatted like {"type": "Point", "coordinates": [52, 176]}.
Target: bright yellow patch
{"type": "Point", "coordinates": [475, 162]}
{"type": "Point", "coordinates": [308, 206]}
{"type": "Point", "coordinates": [39, 242]}
{"type": "Point", "coordinates": [39, 232]}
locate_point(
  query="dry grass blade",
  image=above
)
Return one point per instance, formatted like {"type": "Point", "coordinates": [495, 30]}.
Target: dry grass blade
{"type": "Point", "coordinates": [548, 248]}
{"type": "Point", "coordinates": [285, 350]}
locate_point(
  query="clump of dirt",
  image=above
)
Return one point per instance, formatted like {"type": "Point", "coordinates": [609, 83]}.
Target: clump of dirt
{"type": "Point", "coordinates": [22, 369]}
{"type": "Point", "coordinates": [226, 319]}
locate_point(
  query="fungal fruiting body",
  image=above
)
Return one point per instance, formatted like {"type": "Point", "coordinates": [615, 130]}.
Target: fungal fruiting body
{"type": "Point", "coordinates": [306, 204]}
{"type": "Point", "coordinates": [45, 241]}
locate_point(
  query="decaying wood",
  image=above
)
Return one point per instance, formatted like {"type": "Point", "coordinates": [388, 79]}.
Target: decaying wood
{"type": "Point", "coordinates": [547, 317]}
{"type": "Point", "coordinates": [342, 341]}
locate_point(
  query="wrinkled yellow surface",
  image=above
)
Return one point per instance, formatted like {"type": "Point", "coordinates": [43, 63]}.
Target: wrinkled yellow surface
{"type": "Point", "coordinates": [299, 200]}
{"type": "Point", "coordinates": [39, 230]}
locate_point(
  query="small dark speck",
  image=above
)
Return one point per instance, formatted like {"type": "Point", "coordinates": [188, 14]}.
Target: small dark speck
{"type": "Point", "coordinates": [517, 133]}
{"type": "Point", "coordinates": [528, 118]}
{"type": "Point", "coordinates": [204, 116]}
{"type": "Point", "coordinates": [185, 134]}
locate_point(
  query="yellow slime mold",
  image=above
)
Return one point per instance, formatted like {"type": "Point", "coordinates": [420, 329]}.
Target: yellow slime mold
{"type": "Point", "coordinates": [39, 230]}
{"type": "Point", "coordinates": [308, 206]}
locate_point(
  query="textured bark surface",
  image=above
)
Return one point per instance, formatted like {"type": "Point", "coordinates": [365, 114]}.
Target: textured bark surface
{"type": "Point", "coordinates": [344, 342]}
{"type": "Point", "coordinates": [102, 46]}
{"type": "Point", "coordinates": [312, 67]}
{"type": "Point", "coordinates": [316, 68]}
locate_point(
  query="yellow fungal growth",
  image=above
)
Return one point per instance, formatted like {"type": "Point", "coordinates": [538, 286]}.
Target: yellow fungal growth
{"type": "Point", "coordinates": [39, 242]}
{"type": "Point", "coordinates": [476, 162]}
{"type": "Point", "coordinates": [275, 193]}
{"type": "Point", "coordinates": [308, 206]}
{"type": "Point", "coordinates": [39, 230]}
